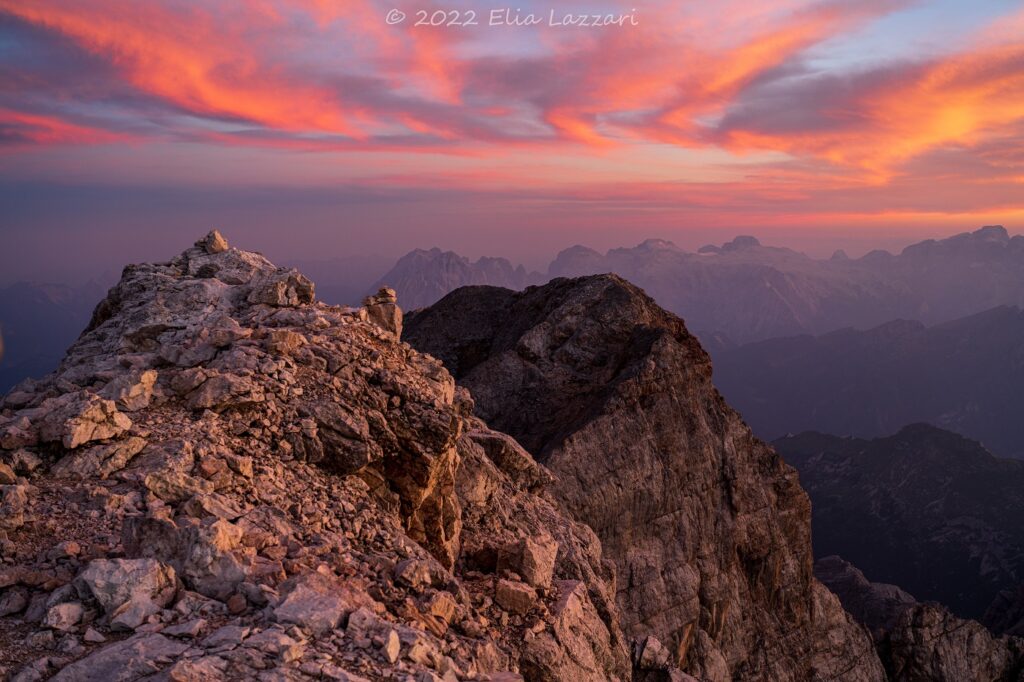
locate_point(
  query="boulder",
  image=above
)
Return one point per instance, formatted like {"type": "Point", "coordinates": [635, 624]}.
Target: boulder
{"type": "Point", "coordinates": [210, 564]}
{"type": "Point", "coordinates": [318, 603]}
{"type": "Point", "coordinates": [128, 590]}
{"type": "Point", "coordinates": [515, 596]}
{"type": "Point", "coordinates": [13, 500]}
{"type": "Point", "coordinates": [74, 419]}
{"type": "Point", "coordinates": [63, 616]}
{"type": "Point", "coordinates": [223, 391]}
{"type": "Point", "coordinates": [213, 243]}
{"type": "Point", "coordinates": [125, 661]}
{"type": "Point", "coordinates": [532, 558]}
{"type": "Point", "coordinates": [382, 309]}
{"type": "Point", "coordinates": [131, 392]}
{"type": "Point", "coordinates": [578, 644]}
{"type": "Point", "coordinates": [282, 287]}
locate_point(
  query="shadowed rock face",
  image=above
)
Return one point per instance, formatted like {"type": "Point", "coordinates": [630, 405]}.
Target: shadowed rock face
{"type": "Point", "coordinates": [921, 641]}
{"type": "Point", "coordinates": [708, 528]}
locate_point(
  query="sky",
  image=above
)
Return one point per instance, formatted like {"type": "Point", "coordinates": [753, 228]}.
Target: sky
{"type": "Point", "coordinates": [323, 128]}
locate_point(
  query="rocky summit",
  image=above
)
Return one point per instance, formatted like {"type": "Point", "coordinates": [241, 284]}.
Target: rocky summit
{"type": "Point", "coordinates": [708, 529]}
{"type": "Point", "coordinates": [225, 479]}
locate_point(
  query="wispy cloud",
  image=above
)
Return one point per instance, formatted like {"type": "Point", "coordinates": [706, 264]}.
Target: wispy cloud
{"type": "Point", "coordinates": [730, 81]}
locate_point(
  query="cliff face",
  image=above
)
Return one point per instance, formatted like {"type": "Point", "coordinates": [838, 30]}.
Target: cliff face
{"type": "Point", "coordinates": [708, 528]}
{"type": "Point", "coordinates": [227, 480]}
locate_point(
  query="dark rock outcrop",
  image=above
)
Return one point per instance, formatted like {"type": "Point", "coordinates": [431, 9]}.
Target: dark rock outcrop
{"type": "Point", "coordinates": [708, 528]}
{"type": "Point", "coordinates": [921, 641]}
{"type": "Point", "coordinates": [876, 605]}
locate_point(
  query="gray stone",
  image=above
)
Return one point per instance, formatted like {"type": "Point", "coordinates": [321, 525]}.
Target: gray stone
{"type": "Point", "coordinates": [128, 590]}
{"type": "Point", "coordinates": [124, 661]}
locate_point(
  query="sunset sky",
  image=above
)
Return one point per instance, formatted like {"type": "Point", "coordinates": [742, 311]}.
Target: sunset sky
{"type": "Point", "coordinates": [313, 129]}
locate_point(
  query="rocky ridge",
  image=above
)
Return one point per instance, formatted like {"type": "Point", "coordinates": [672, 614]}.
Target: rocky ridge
{"type": "Point", "coordinates": [921, 641]}
{"type": "Point", "coordinates": [225, 479]}
{"type": "Point", "coordinates": [708, 529]}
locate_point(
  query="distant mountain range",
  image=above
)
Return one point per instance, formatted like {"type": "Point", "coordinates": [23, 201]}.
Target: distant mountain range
{"type": "Point", "coordinates": [966, 376]}
{"type": "Point", "coordinates": [743, 291]}
{"type": "Point", "coordinates": [422, 277]}
{"type": "Point", "coordinates": [736, 293]}
{"type": "Point", "coordinates": [925, 509]}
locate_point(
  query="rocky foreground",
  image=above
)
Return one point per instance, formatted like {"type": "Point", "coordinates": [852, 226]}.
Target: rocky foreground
{"type": "Point", "coordinates": [226, 479]}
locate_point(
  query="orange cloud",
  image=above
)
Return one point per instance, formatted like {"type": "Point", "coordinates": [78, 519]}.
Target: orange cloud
{"type": "Point", "coordinates": [34, 129]}
{"type": "Point", "coordinates": [889, 118]}
{"type": "Point", "coordinates": [686, 77]}
{"type": "Point", "coordinates": [191, 60]}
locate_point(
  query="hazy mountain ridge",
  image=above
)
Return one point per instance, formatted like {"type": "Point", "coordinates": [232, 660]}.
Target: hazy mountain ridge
{"type": "Point", "coordinates": [965, 375]}
{"type": "Point", "coordinates": [422, 277]}
{"type": "Point", "coordinates": [925, 509]}
{"type": "Point", "coordinates": [744, 291]}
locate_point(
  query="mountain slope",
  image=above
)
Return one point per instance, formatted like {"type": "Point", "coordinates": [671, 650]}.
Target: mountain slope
{"type": "Point", "coordinates": [921, 641]}
{"type": "Point", "coordinates": [964, 375]}
{"type": "Point", "coordinates": [925, 509]}
{"type": "Point", "coordinates": [708, 528]}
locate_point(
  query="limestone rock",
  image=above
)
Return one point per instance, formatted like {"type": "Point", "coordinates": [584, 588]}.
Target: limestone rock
{"type": "Point", "coordinates": [209, 562]}
{"type": "Point", "coordinates": [285, 462]}
{"type": "Point", "coordinates": [317, 602]}
{"type": "Point", "coordinates": [64, 616]}
{"type": "Point", "coordinates": [876, 605]}
{"type": "Point", "coordinates": [13, 500]}
{"type": "Point", "coordinates": [382, 309]}
{"type": "Point", "coordinates": [7, 475]}
{"type": "Point", "coordinates": [99, 460]}
{"type": "Point", "coordinates": [213, 243]}
{"type": "Point", "coordinates": [708, 528]}
{"type": "Point", "coordinates": [282, 287]}
{"type": "Point", "coordinates": [533, 559]}
{"type": "Point", "coordinates": [515, 596]}
{"type": "Point", "coordinates": [131, 659]}
{"type": "Point", "coordinates": [930, 643]}
{"type": "Point", "coordinates": [78, 418]}
{"type": "Point", "coordinates": [128, 590]}
{"type": "Point", "coordinates": [131, 392]}
{"type": "Point", "coordinates": [578, 645]}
